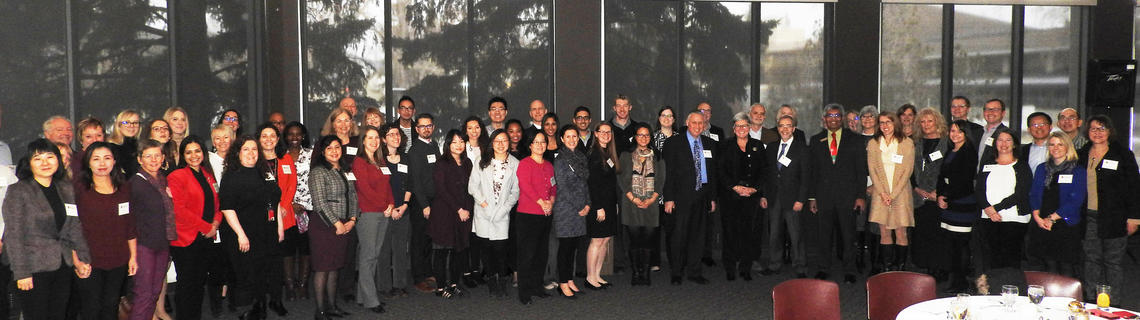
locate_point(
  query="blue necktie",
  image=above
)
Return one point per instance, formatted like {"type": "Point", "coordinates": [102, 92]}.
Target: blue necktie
{"type": "Point", "coordinates": [781, 156]}
{"type": "Point", "coordinates": [697, 162]}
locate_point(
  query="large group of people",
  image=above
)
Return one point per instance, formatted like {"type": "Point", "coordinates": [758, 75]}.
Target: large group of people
{"type": "Point", "coordinates": [370, 209]}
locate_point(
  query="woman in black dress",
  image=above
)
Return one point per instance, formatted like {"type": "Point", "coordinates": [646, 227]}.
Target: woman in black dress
{"type": "Point", "coordinates": [449, 224]}
{"type": "Point", "coordinates": [603, 222]}
{"type": "Point", "coordinates": [247, 196]}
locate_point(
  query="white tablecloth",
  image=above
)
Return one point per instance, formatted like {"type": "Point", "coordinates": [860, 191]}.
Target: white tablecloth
{"type": "Point", "coordinates": [991, 308]}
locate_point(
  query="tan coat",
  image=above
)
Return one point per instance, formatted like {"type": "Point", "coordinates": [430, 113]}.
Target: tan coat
{"type": "Point", "coordinates": [901, 211]}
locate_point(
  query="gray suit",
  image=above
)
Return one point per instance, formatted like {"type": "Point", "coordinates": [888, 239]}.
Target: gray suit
{"type": "Point", "coordinates": [31, 241]}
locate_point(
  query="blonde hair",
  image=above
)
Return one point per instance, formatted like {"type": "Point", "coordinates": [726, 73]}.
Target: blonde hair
{"type": "Point", "coordinates": [170, 113]}
{"type": "Point", "coordinates": [117, 133]}
{"type": "Point", "coordinates": [328, 129]}
{"type": "Point", "coordinates": [939, 122]}
{"type": "Point", "coordinates": [1070, 152]}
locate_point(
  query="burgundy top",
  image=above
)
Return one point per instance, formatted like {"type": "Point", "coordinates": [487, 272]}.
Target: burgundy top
{"type": "Point", "coordinates": [373, 191]}
{"type": "Point", "coordinates": [536, 181]}
{"type": "Point", "coordinates": [106, 226]}
{"type": "Point", "coordinates": [444, 225]}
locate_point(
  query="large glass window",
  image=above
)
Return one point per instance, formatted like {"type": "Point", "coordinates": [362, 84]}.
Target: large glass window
{"type": "Point", "coordinates": [911, 56]}
{"type": "Point", "coordinates": [717, 41]}
{"type": "Point", "coordinates": [791, 63]}
{"type": "Point", "coordinates": [213, 50]}
{"type": "Point", "coordinates": [982, 48]}
{"type": "Point", "coordinates": [1050, 76]}
{"type": "Point", "coordinates": [33, 75]}
{"type": "Point", "coordinates": [641, 41]}
{"type": "Point", "coordinates": [343, 55]}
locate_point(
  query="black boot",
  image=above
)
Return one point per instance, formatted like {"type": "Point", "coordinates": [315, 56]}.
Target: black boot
{"type": "Point", "coordinates": [493, 285]}
{"type": "Point", "coordinates": [646, 275]}
{"type": "Point", "coordinates": [901, 253]}
{"type": "Point", "coordinates": [878, 265]}
{"type": "Point", "coordinates": [215, 294]}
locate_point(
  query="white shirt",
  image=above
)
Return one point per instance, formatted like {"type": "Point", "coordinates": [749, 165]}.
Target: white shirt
{"type": "Point", "coordinates": [1038, 154]}
{"type": "Point", "coordinates": [219, 165]}
{"type": "Point", "coordinates": [756, 134]}
{"type": "Point", "coordinates": [7, 177]}
{"type": "Point", "coordinates": [999, 185]}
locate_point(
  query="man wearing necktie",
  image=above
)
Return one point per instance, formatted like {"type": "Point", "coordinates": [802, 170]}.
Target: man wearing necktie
{"type": "Point", "coordinates": [690, 187]}
{"type": "Point", "coordinates": [785, 194]}
{"type": "Point", "coordinates": [839, 181]}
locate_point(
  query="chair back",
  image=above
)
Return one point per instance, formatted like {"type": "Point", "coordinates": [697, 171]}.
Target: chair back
{"type": "Point", "coordinates": [889, 293]}
{"type": "Point", "coordinates": [1056, 285]}
{"type": "Point", "coordinates": [806, 299]}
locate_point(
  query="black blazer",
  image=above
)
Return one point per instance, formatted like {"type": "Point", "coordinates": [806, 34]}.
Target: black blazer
{"type": "Point", "coordinates": [791, 184]}
{"type": "Point", "coordinates": [1115, 190]}
{"type": "Point", "coordinates": [32, 243]}
{"type": "Point", "coordinates": [712, 129]}
{"type": "Point", "coordinates": [990, 153]}
{"type": "Point", "coordinates": [420, 171]}
{"type": "Point", "coordinates": [838, 184]}
{"type": "Point", "coordinates": [956, 179]}
{"type": "Point", "coordinates": [680, 179]}
{"type": "Point", "coordinates": [974, 131]}
{"type": "Point", "coordinates": [1020, 197]}
{"type": "Point", "coordinates": [738, 168]}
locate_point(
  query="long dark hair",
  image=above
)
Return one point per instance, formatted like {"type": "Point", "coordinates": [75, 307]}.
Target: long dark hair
{"type": "Point", "coordinates": [376, 158]}
{"type": "Point", "coordinates": [279, 148]}
{"type": "Point", "coordinates": [447, 138]}
{"type": "Point", "coordinates": [481, 141]}
{"type": "Point", "coordinates": [319, 158]}
{"type": "Point", "coordinates": [36, 147]}
{"type": "Point", "coordinates": [206, 167]}
{"type": "Point", "coordinates": [395, 125]}
{"type": "Point", "coordinates": [489, 153]}
{"type": "Point", "coordinates": [233, 157]}
{"type": "Point", "coordinates": [610, 151]}
{"type": "Point", "coordinates": [962, 125]}
{"type": "Point", "coordinates": [85, 175]}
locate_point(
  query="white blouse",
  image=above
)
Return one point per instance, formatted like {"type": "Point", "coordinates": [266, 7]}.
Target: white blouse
{"type": "Point", "coordinates": [1000, 185]}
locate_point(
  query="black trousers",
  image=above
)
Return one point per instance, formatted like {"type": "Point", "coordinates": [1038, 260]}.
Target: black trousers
{"type": "Point", "coordinates": [5, 289]}
{"type": "Point", "coordinates": [687, 240]}
{"type": "Point", "coordinates": [49, 295]}
{"type": "Point", "coordinates": [642, 238]}
{"type": "Point", "coordinates": [830, 221]}
{"type": "Point", "coordinates": [1003, 243]}
{"type": "Point", "coordinates": [955, 257]}
{"type": "Point", "coordinates": [449, 264]}
{"type": "Point", "coordinates": [419, 248]}
{"type": "Point", "coordinates": [532, 237]}
{"type": "Point", "coordinates": [742, 233]}
{"type": "Point", "coordinates": [567, 250]}
{"type": "Point", "coordinates": [198, 264]}
{"type": "Point", "coordinates": [474, 255]}
{"type": "Point", "coordinates": [100, 292]}
{"type": "Point", "coordinates": [494, 256]}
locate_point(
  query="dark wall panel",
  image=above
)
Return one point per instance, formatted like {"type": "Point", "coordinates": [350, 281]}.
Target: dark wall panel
{"type": "Point", "coordinates": [577, 56]}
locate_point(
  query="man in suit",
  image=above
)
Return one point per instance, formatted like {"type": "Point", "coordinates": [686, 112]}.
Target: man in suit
{"type": "Point", "coordinates": [960, 110]}
{"type": "Point", "coordinates": [993, 112]}
{"type": "Point", "coordinates": [689, 193]}
{"type": "Point", "coordinates": [421, 163]}
{"type": "Point", "coordinates": [839, 167]}
{"type": "Point", "coordinates": [623, 125]}
{"type": "Point", "coordinates": [536, 110]}
{"type": "Point", "coordinates": [787, 110]}
{"type": "Point", "coordinates": [784, 196]}
{"type": "Point", "coordinates": [1040, 124]}
{"type": "Point", "coordinates": [756, 130]}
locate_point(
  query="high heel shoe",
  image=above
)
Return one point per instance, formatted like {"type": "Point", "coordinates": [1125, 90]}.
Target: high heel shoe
{"type": "Point", "coordinates": [562, 292]}
{"type": "Point", "coordinates": [591, 286]}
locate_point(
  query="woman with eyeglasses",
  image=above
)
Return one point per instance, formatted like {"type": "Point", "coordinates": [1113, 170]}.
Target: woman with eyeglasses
{"type": "Point", "coordinates": [666, 127]}
{"type": "Point", "coordinates": [103, 198]}
{"type": "Point", "coordinates": [231, 118]}
{"type": "Point", "coordinates": [1112, 208]}
{"type": "Point", "coordinates": [154, 218]}
{"type": "Point", "coordinates": [159, 130]}
{"type": "Point", "coordinates": [642, 177]}
{"type": "Point", "coordinates": [740, 167]}
{"type": "Point", "coordinates": [394, 262]}
{"type": "Point", "coordinates": [125, 135]}
{"type": "Point", "coordinates": [890, 162]}
{"type": "Point", "coordinates": [602, 221]}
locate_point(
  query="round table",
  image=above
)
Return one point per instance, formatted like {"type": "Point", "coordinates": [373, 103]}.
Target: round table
{"type": "Point", "coordinates": [991, 307]}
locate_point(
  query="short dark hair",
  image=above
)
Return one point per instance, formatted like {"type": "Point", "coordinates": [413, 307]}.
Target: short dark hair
{"type": "Point", "coordinates": [425, 115]}
{"type": "Point", "coordinates": [408, 99]}
{"type": "Point", "coordinates": [38, 146]}
{"type": "Point", "coordinates": [963, 98]}
{"type": "Point", "coordinates": [1000, 103]}
{"type": "Point", "coordinates": [149, 143]}
{"type": "Point", "coordinates": [1048, 119]}
{"type": "Point", "coordinates": [902, 109]}
{"type": "Point", "coordinates": [582, 108]}
{"type": "Point", "coordinates": [498, 99]}
{"type": "Point", "coordinates": [528, 139]}
{"type": "Point", "coordinates": [319, 158]}
{"type": "Point", "coordinates": [384, 133]}
{"type": "Point", "coordinates": [1104, 121]}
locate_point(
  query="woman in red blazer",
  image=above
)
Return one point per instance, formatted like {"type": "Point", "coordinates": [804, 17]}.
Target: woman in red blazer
{"type": "Point", "coordinates": [197, 250]}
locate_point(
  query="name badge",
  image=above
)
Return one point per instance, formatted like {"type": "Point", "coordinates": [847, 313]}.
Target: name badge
{"type": "Point", "coordinates": [386, 171]}
{"type": "Point", "coordinates": [431, 158]}
{"type": "Point", "coordinates": [785, 161]}
{"type": "Point", "coordinates": [990, 141]}
{"type": "Point", "coordinates": [124, 208]}
{"type": "Point", "coordinates": [869, 182]}
{"type": "Point", "coordinates": [897, 158]}
{"type": "Point", "coordinates": [630, 139]}
{"type": "Point", "coordinates": [610, 162]}
{"type": "Point", "coordinates": [269, 177]}
{"type": "Point", "coordinates": [71, 209]}
{"type": "Point", "coordinates": [555, 154]}
{"type": "Point", "coordinates": [286, 169]}
{"type": "Point", "coordinates": [934, 156]}
{"type": "Point", "coordinates": [714, 136]}
{"type": "Point", "coordinates": [350, 151]}
{"type": "Point", "coordinates": [552, 181]}
{"type": "Point", "coordinates": [947, 180]}
{"type": "Point", "coordinates": [1065, 178]}
{"type": "Point", "coordinates": [708, 154]}
{"type": "Point", "coordinates": [402, 168]}
{"type": "Point", "coordinates": [988, 168]}
{"type": "Point", "coordinates": [217, 237]}
{"type": "Point", "coordinates": [1109, 164]}
{"type": "Point", "coordinates": [350, 176]}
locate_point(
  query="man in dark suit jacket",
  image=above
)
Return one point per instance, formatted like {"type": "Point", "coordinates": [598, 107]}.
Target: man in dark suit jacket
{"type": "Point", "coordinates": [960, 110]}
{"type": "Point", "coordinates": [537, 111]}
{"type": "Point", "coordinates": [421, 160]}
{"type": "Point", "coordinates": [994, 112]}
{"type": "Point", "coordinates": [689, 193]}
{"type": "Point", "coordinates": [756, 130]}
{"type": "Point", "coordinates": [839, 167]}
{"type": "Point", "coordinates": [785, 194]}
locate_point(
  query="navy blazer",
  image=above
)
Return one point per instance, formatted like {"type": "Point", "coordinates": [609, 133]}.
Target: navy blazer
{"type": "Point", "coordinates": [791, 184]}
{"type": "Point", "coordinates": [1072, 194]}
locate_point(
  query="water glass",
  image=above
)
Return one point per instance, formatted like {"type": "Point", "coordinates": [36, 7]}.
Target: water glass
{"type": "Point", "coordinates": [1009, 295]}
{"type": "Point", "coordinates": [959, 307]}
{"type": "Point", "coordinates": [1036, 293]}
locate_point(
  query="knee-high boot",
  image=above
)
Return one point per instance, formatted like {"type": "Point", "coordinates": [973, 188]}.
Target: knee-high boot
{"type": "Point", "coordinates": [901, 253]}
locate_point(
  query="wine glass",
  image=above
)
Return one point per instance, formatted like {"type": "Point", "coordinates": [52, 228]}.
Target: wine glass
{"type": "Point", "coordinates": [1102, 299]}
{"type": "Point", "coordinates": [1036, 293]}
{"type": "Point", "coordinates": [960, 306]}
{"type": "Point", "coordinates": [1009, 295]}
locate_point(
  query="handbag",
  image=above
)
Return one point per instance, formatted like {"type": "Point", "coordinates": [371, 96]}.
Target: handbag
{"type": "Point", "coordinates": [302, 221]}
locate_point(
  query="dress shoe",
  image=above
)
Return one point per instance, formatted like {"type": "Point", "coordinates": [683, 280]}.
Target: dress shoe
{"type": "Point", "coordinates": [424, 287]}
{"type": "Point", "coordinates": [849, 278]}
{"type": "Point", "coordinates": [822, 275]}
{"type": "Point", "coordinates": [278, 308]}
{"type": "Point", "coordinates": [699, 280]}
{"type": "Point", "coordinates": [377, 309]}
{"type": "Point", "coordinates": [606, 285]}
{"type": "Point", "coordinates": [801, 275]}
{"type": "Point", "coordinates": [337, 312]}
{"type": "Point", "coordinates": [675, 280]}
{"type": "Point", "coordinates": [469, 280]}
{"type": "Point", "coordinates": [320, 315]}
{"type": "Point", "coordinates": [542, 295]}
{"type": "Point", "coordinates": [593, 287]}
{"type": "Point", "coordinates": [746, 275]}
{"type": "Point", "coordinates": [730, 276]}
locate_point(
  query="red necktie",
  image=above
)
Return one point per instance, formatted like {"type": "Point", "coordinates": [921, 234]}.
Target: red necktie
{"type": "Point", "coordinates": [834, 146]}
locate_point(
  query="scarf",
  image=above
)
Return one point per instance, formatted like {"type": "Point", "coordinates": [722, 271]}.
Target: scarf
{"type": "Point", "coordinates": [159, 183]}
{"type": "Point", "coordinates": [1052, 169]}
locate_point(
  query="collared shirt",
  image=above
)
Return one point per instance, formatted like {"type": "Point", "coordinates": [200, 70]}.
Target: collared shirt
{"type": "Point", "coordinates": [1038, 154]}
{"type": "Point", "coordinates": [985, 137]}
{"type": "Point", "coordinates": [536, 125]}
{"type": "Point", "coordinates": [756, 134]}
{"type": "Point", "coordinates": [838, 139]}
{"type": "Point", "coordinates": [585, 139]}
{"type": "Point", "coordinates": [704, 166]}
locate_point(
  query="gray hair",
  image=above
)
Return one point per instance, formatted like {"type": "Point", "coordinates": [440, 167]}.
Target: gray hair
{"type": "Point", "coordinates": [794, 121]}
{"type": "Point", "coordinates": [831, 106]}
{"type": "Point", "coordinates": [869, 109]}
{"type": "Point", "coordinates": [47, 126]}
{"type": "Point", "coordinates": [743, 115]}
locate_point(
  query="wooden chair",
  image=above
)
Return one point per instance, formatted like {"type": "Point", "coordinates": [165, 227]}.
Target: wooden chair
{"type": "Point", "coordinates": [889, 293]}
{"type": "Point", "coordinates": [1056, 285]}
{"type": "Point", "coordinates": [806, 299]}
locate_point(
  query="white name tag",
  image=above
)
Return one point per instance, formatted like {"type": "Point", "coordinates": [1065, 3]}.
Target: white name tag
{"type": "Point", "coordinates": [897, 158]}
{"type": "Point", "coordinates": [555, 154]}
{"type": "Point", "coordinates": [402, 168]}
{"type": "Point", "coordinates": [350, 151]}
{"type": "Point", "coordinates": [1109, 164]}
{"type": "Point", "coordinates": [988, 168]}
{"type": "Point", "coordinates": [990, 141]}
{"type": "Point", "coordinates": [869, 182]}
{"type": "Point", "coordinates": [71, 209]}
{"type": "Point", "coordinates": [270, 177]}
{"type": "Point", "coordinates": [947, 180]}
{"type": "Point", "coordinates": [610, 162]}
{"type": "Point", "coordinates": [124, 208]}
{"type": "Point", "coordinates": [386, 171]}
{"type": "Point", "coordinates": [1065, 178]}
{"type": "Point", "coordinates": [552, 181]}
{"type": "Point", "coordinates": [708, 154]}
{"type": "Point", "coordinates": [714, 136]}
{"type": "Point", "coordinates": [286, 169]}
{"type": "Point", "coordinates": [431, 158]}
{"type": "Point", "coordinates": [785, 161]}
{"type": "Point", "coordinates": [350, 176]}
{"type": "Point", "coordinates": [934, 156]}
{"type": "Point", "coordinates": [217, 237]}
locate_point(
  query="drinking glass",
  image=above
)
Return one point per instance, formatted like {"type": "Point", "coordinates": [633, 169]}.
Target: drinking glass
{"type": "Point", "coordinates": [1036, 294]}
{"type": "Point", "coordinates": [960, 306]}
{"type": "Point", "coordinates": [1009, 295]}
{"type": "Point", "coordinates": [1102, 299]}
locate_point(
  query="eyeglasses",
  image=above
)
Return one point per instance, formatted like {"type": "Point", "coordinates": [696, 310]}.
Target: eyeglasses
{"type": "Point", "coordinates": [1038, 125]}
{"type": "Point", "coordinates": [1098, 129]}
{"type": "Point", "coordinates": [582, 118]}
{"type": "Point", "coordinates": [604, 132]}
{"type": "Point", "coordinates": [129, 123]}
{"type": "Point", "coordinates": [498, 109]}
{"type": "Point", "coordinates": [833, 115]}
{"type": "Point", "coordinates": [231, 119]}
{"type": "Point", "coordinates": [159, 128]}
{"type": "Point", "coordinates": [1068, 118]}
{"type": "Point", "coordinates": [665, 116]}
{"type": "Point", "coordinates": [407, 107]}
{"type": "Point", "coordinates": [425, 126]}
{"type": "Point", "coordinates": [740, 126]}
{"type": "Point", "coordinates": [704, 110]}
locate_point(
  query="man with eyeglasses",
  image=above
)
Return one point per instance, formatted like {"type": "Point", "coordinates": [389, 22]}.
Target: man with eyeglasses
{"type": "Point", "coordinates": [405, 110]}
{"type": "Point", "coordinates": [993, 112]}
{"type": "Point", "coordinates": [839, 170]}
{"type": "Point", "coordinates": [1069, 121]}
{"type": "Point", "coordinates": [496, 114]}
{"type": "Point", "coordinates": [1040, 125]}
{"type": "Point", "coordinates": [960, 110]}
{"type": "Point", "coordinates": [582, 122]}
{"type": "Point", "coordinates": [623, 124]}
{"type": "Point", "coordinates": [788, 110]}
{"type": "Point", "coordinates": [421, 159]}
{"type": "Point", "coordinates": [278, 120]}
{"type": "Point", "coordinates": [756, 116]}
